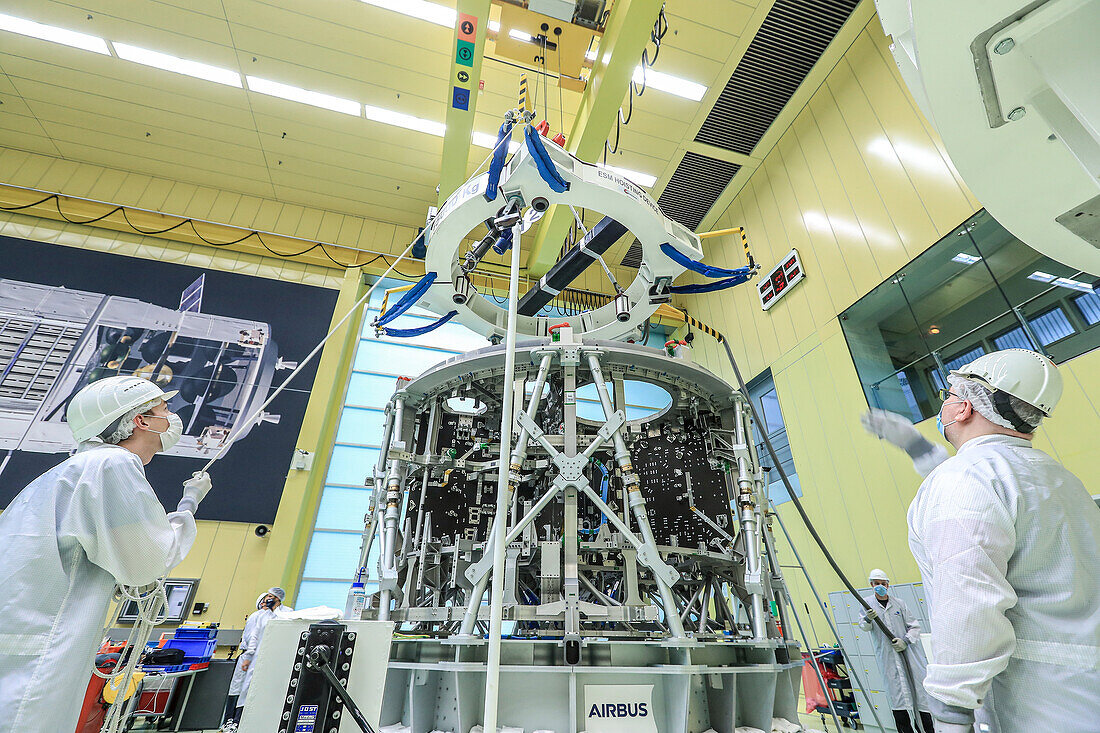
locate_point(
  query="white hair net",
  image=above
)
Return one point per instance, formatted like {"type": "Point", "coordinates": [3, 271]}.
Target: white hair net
{"type": "Point", "coordinates": [126, 423]}
{"type": "Point", "coordinates": [981, 397]}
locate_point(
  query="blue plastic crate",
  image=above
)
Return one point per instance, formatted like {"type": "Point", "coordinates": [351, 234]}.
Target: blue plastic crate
{"type": "Point", "coordinates": [186, 632]}
{"type": "Point", "coordinates": [194, 650]}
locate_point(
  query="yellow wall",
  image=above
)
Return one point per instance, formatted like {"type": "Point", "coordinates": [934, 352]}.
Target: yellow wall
{"type": "Point", "coordinates": [860, 185]}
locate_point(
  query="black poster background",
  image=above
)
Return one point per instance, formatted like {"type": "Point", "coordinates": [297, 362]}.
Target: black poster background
{"type": "Point", "coordinates": [248, 480]}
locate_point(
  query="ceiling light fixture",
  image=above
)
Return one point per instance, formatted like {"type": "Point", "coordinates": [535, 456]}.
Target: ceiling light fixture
{"type": "Point", "coordinates": [397, 119]}
{"type": "Point", "coordinates": [1062, 282]}
{"type": "Point", "coordinates": [431, 12]}
{"type": "Point", "coordinates": [177, 65]}
{"type": "Point", "coordinates": [305, 96]}
{"type": "Point", "coordinates": [965, 258]}
{"type": "Point", "coordinates": [485, 140]}
{"type": "Point", "coordinates": [519, 35]}
{"type": "Point", "coordinates": [53, 33]}
{"type": "Point", "coordinates": [1066, 282]}
{"type": "Point", "coordinates": [669, 83]}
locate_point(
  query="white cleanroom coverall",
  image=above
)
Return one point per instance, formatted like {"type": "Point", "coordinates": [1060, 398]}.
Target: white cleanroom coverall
{"type": "Point", "coordinates": [250, 644]}
{"type": "Point", "coordinates": [1008, 544]}
{"type": "Point", "coordinates": [65, 541]}
{"type": "Point", "coordinates": [902, 625]}
{"type": "Point", "coordinates": [249, 624]}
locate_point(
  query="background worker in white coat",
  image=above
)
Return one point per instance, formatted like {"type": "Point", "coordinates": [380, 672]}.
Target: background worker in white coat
{"type": "Point", "coordinates": [229, 720]}
{"type": "Point", "coordinates": [271, 606]}
{"type": "Point", "coordinates": [904, 639]}
{"type": "Point", "coordinates": [1008, 544]}
{"type": "Point", "coordinates": [71, 535]}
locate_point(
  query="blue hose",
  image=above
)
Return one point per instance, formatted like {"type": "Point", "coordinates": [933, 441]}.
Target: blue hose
{"type": "Point", "coordinates": [407, 300]}
{"type": "Point", "coordinates": [542, 160]}
{"type": "Point", "coordinates": [420, 330]}
{"type": "Point", "coordinates": [708, 270]}
{"type": "Point", "coordinates": [496, 165]}
{"type": "Point", "coordinates": [729, 282]}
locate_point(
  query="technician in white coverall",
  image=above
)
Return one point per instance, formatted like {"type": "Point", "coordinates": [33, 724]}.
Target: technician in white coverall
{"type": "Point", "coordinates": [270, 605]}
{"type": "Point", "coordinates": [74, 533]}
{"type": "Point", "coordinates": [904, 638]}
{"type": "Point", "coordinates": [1008, 544]}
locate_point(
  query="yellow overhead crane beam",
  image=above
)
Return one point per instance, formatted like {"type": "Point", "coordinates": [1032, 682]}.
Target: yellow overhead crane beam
{"type": "Point", "coordinates": [468, 51]}
{"type": "Point", "coordinates": [627, 33]}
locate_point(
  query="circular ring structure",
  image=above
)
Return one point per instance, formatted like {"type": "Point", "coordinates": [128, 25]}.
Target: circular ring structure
{"type": "Point", "coordinates": [590, 187]}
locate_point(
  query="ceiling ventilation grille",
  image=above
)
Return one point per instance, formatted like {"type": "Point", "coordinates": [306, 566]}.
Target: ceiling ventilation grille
{"type": "Point", "coordinates": [633, 256]}
{"type": "Point", "coordinates": [790, 41]}
{"type": "Point", "coordinates": [694, 187]}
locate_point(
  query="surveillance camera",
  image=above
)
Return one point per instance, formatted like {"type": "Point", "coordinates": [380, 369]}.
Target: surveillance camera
{"type": "Point", "coordinates": [262, 530]}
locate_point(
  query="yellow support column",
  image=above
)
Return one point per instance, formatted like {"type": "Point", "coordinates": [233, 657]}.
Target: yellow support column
{"type": "Point", "coordinates": [471, 30]}
{"type": "Point", "coordinates": [620, 52]}
{"type": "Point", "coordinates": [290, 535]}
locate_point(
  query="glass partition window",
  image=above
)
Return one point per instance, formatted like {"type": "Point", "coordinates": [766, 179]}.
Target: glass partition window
{"type": "Point", "coordinates": [333, 553]}
{"type": "Point", "coordinates": [976, 291]}
{"type": "Point", "coordinates": [763, 394]}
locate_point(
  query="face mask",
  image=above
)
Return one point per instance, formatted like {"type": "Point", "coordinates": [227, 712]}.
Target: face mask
{"type": "Point", "coordinates": [939, 420]}
{"type": "Point", "coordinates": [880, 591]}
{"type": "Point", "coordinates": [170, 435]}
{"type": "Point", "coordinates": [270, 603]}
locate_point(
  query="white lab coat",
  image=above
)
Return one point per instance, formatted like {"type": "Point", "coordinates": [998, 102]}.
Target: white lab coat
{"type": "Point", "coordinates": [65, 541]}
{"type": "Point", "coordinates": [1008, 543]}
{"type": "Point", "coordinates": [251, 644]}
{"type": "Point", "coordinates": [238, 673]}
{"type": "Point", "coordinates": [902, 625]}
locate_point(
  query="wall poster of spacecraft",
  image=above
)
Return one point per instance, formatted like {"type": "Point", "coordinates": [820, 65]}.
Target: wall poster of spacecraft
{"type": "Point", "coordinates": [70, 316]}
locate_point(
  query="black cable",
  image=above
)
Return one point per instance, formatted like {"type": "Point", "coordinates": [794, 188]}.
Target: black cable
{"type": "Point", "coordinates": [656, 35]}
{"type": "Point", "coordinates": [191, 223]}
{"type": "Point", "coordinates": [318, 662]}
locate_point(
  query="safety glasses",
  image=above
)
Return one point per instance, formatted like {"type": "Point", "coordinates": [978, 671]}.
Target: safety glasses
{"type": "Point", "coordinates": [943, 394]}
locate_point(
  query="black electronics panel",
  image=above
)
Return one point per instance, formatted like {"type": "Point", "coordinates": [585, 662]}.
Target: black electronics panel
{"type": "Point", "coordinates": [663, 462]}
{"type": "Point", "coordinates": [462, 507]}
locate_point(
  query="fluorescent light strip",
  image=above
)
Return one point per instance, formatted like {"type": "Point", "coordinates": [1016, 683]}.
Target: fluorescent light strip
{"type": "Point", "coordinates": [431, 12]}
{"type": "Point", "coordinates": [517, 34]}
{"type": "Point", "coordinates": [669, 83]}
{"type": "Point", "coordinates": [397, 119]}
{"type": "Point", "coordinates": [1041, 277]}
{"type": "Point", "coordinates": [965, 258]}
{"type": "Point", "coordinates": [642, 179]}
{"type": "Point", "coordinates": [305, 96]}
{"type": "Point", "coordinates": [177, 65]}
{"type": "Point", "coordinates": [485, 140]}
{"type": "Point", "coordinates": [53, 33]}
{"type": "Point", "coordinates": [1066, 282]}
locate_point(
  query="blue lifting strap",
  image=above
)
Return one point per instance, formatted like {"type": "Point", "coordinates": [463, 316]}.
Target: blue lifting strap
{"type": "Point", "coordinates": [504, 242]}
{"type": "Point", "coordinates": [500, 152]}
{"type": "Point", "coordinates": [542, 161]}
{"type": "Point", "coordinates": [708, 270]}
{"type": "Point", "coordinates": [729, 282]}
{"type": "Point", "coordinates": [406, 301]}
{"type": "Point", "coordinates": [408, 332]}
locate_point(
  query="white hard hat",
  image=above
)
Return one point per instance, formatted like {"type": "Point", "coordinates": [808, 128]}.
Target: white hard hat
{"type": "Point", "coordinates": [93, 409]}
{"type": "Point", "coordinates": [1024, 374]}
{"type": "Point", "coordinates": [877, 574]}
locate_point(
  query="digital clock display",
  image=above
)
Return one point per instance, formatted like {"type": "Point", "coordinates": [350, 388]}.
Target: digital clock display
{"type": "Point", "coordinates": [780, 280]}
